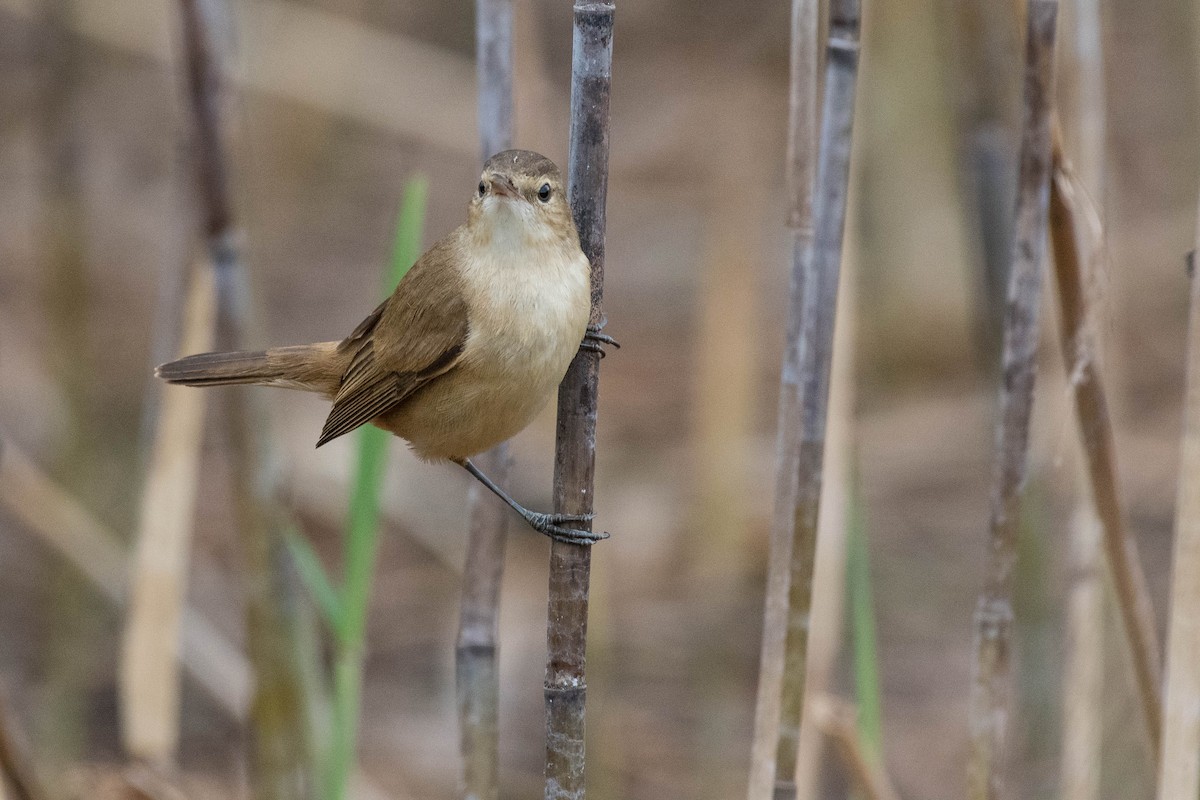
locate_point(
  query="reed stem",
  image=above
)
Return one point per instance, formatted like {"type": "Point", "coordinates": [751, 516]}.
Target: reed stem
{"type": "Point", "coordinates": [476, 671]}
{"type": "Point", "coordinates": [990, 704]}
{"type": "Point", "coordinates": [814, 357]}
{"type": "Point", "coordinates": [575, 451]}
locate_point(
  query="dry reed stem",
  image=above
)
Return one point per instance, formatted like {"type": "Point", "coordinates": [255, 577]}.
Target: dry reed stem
{"type": "Point", "coordinates": [838, 721]}
{"type": "Point", "coordinates": [829, 577]}
{"type": "Point", "coordinates": [477, 648]}
{"type": "Point", "coordinates": [1096, 437]}
{"type": "Point", "coordinates": [15, 761]}
{"type": "Point", "coordinates": [990, 704]}
{"type": "Point", "coordinates": [477, 672]}
{"type": "Point", "coordinates": [1179, 761]}
{"type": "Point", "coordinates": [575, 450]}
{"type": "Point", "coordinates": [148, 675]}
{"type": "Point", "coordinates": [813, 366]}
{"type": "Point", "coordinates": [1083, 686]}
{"type": "Point", "coordinates": [801, 147]}
{"type": "Point", "coordinates": [279, 755]}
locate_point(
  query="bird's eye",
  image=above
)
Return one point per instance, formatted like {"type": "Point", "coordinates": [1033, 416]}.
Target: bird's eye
{"type": "Point", "coordinates": [544, 193]}
{"type": "Point", "coordinates": [482, 188]}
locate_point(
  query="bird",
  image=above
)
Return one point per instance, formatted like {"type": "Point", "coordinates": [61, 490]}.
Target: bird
{"type": "Point", "coordinates": [468, 348]}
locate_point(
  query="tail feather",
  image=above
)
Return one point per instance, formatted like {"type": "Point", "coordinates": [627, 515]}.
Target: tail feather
{"type": "Point", "coordinates": [216, 369]}
{"type": "Point", "coordinates": [309, 367]}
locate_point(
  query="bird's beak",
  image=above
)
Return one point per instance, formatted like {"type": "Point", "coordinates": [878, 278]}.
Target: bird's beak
{"type": "Point", "coordinates": [504, 187]}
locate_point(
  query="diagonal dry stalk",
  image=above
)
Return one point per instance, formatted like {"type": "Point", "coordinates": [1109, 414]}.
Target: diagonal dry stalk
{"type": "Point", "coordinates": [279, 755]}
{"type": "Point", "coordinates": [1179, 761]}
{"type": "Point", "coordinates": [990, 707]}
{"type": "Point", "coordinates": [802, 112]}
{"type": "Point", "coordinates": [215, 663]}
{"type": "Point", "coordinates": [814, 356]}
{"type": "Point", "coordinates": [575, 450]}
{"type": "Point", "coordinates": [477, 673]}
{"type": "Point", "coordinates": [1096, 437]}
{"type": "Point", "coordinates": [838, 721]}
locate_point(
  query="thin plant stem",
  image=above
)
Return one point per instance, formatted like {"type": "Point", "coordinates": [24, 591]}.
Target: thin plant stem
{"type": "Point", "coordinates": [990, 703]}
{"type": "Point", "coordinates": [362, 535]}
{"type": "Point", "coordinates": [279, 756]}
{"type": "Point", "coordinates": [1082, 737]}
{"type": "Point", "coordinates": [575, 451]}
{"type": "Point", "coordinates": [802, 111]}
{"type": "Point", "coordinates": [840, 508]}
{"type": "Point", "coordinates": [1096, 437]}
{"type": "Point", "coordinates": [1179, 761]}
{"type": "Point", "coordinates": [476, 672]}
{"type": "Point", "coordinates": [862, 622]}
{"type": "Point", "coordinates": [813, 365]}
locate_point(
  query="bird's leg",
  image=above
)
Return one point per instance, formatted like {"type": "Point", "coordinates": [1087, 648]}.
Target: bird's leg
{"type": "Point", "coordinates": [594, 340]}
{"type": "Point", "coordinates": [548, 524]}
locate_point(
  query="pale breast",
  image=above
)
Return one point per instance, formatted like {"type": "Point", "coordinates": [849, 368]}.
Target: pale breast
{"type": "Point", "coordinates": [526, 321]}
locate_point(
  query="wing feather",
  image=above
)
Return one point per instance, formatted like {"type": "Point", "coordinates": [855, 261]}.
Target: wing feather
{"type": "Point", "coordinates": [424, 325]}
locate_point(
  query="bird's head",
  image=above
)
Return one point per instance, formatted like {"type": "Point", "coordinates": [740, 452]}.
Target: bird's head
{"type": "Point", "coordinates": [521, 199]}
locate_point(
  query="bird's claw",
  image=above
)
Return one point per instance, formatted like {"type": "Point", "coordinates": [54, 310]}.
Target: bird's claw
{"type": "Point", "coordinates": [594, 341]}
{"type": "Point", "coordinates": [551, 525]}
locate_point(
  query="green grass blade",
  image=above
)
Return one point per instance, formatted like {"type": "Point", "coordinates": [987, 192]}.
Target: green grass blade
{"type": "Point", "coordinates": [862, 628]}
{"type": "Point", "coordinates": [362, 526]}
{"type": "Point", "coordinates": [315, 578]}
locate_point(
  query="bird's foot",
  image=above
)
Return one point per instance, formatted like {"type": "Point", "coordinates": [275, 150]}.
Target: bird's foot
{"type": "Point", "coordinates": [594, 341]}
{"type": "Point", "coordinates": [551, 525]}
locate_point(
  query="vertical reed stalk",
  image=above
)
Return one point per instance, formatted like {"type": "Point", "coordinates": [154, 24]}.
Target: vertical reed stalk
{"type": "Point", "coordinates": [802, 112]}
{"type": "Point", "coordinates": [813, 366]}
{"type": "Point", "coordinates": [990, 707]}
{"type": "Point", "coordinates": [841, 510]}
{"type": "Point", "coordinates": [476, 652]}
{"type": "Point", "coordinates": [1096, 437]}
{"type": "Point", "coordinates": [1179, 762]}
{"type": "Point", "coordinates": [575, 451]}
{"type": "Point", "coordinates": [1083, 684]}
{"type": "Point", "coordinates": [149, 673]}
{"type": "Point", "coordinates": [278, 749]}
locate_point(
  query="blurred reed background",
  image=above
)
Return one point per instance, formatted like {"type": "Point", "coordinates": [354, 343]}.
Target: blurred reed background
{"type": "Point", "coordinates": [333, 105]}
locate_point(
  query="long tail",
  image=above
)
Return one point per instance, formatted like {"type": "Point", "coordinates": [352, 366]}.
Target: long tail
{"type": "Point", "coordinates": [310, 367]}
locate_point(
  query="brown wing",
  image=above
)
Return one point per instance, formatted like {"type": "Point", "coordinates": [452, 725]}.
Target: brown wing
{"type": "Point", "coordinates": [414, 336]}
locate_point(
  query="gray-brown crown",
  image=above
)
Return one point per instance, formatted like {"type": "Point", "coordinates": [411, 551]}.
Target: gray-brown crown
{"type": "Point", "coordinates": [522, 162]}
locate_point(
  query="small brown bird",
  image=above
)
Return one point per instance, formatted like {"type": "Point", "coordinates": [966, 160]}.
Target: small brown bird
{"type": "Point", "coordinates": [471, 344]}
